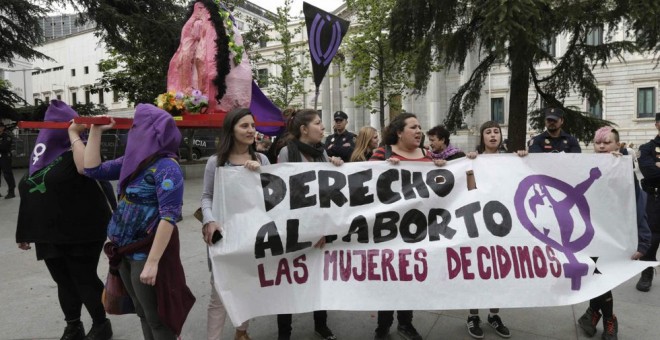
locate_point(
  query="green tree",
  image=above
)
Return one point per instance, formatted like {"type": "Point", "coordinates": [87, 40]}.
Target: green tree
{"type": "Point", "coordinates": [289, 84]}
{"type": "Point", "coordinates": [141, 37]}
{"type": "Point", "coordinates": [8, 101]}
{"type": "Point", "coordinates": [19, 33]}
{"type": "Point", "coordinates": [513, 33]}
{"type": "Point", "coordinates": [382, 74]}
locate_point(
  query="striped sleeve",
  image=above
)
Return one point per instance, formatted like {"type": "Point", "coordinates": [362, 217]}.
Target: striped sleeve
{"type": "Point", "coordinates": [378, 155]}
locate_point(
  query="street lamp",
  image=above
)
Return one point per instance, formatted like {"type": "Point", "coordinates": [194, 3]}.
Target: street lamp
{"type": "Point", "coordinates": [24, 81]}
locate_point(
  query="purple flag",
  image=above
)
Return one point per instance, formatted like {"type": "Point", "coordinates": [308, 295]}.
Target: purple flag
{"type": "Point", "coordinates": [325, 33]}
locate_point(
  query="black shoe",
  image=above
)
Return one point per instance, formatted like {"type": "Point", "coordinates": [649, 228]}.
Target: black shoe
{"type": "Point", "coordinates": [611, 330]}
{"type": "Point", "coordinates": [325, 333]}
{"type": "Point", "coordinates": [473, 327]}
{"type": "Point", "coordinates": [645, 281]}
{"type": "Point", "coordinates": [498, 325]}
{"type": "Point", "coordinates": [408, 332]}
{"type": "Point", "coordinates": [382, 334]}
{"type": "Point", "coordinates": [74, 331]}
{"type": "Point", "coordinates": [588, 321]}
{"type": "Point", "coordinates": [101, 331]}
{"type": "Point", "coordinates": [10, 195]}
{"type": "Point", "coordinates": [284, 337]}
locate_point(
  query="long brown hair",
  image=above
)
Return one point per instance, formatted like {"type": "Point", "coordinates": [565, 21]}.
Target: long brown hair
{"type": "Point", "coordinates": [363, 144]}
{"type": "Point", "coordinates": [227, 139]}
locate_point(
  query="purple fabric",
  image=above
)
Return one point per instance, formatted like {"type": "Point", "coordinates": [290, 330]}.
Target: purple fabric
{"type": "Point", "coordinates": [450, 150]}
{"type": "Point", "coordinates": [265, 111]}
{"type": "Point", "coordinates": [154, 132]}
{"type": "Point", "coordinates": [51, 143]}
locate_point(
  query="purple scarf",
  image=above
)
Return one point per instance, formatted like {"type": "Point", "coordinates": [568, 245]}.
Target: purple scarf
{"type": "Point", "coordinates": [51, 143]}
{"type": "Point", "coordinates": [154, 132]}
{"type": "Point", "coordinates": [450, 150]}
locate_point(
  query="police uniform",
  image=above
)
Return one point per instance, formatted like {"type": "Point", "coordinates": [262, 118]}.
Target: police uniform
{"type": "Point", "coordinates": [6, 142]}
{"type": "Point", "coordinates": [335, 144]}
{"type": "Point", "coordinates": [546, 143]}
{"type": "Point", "coordinates": [649, 154]}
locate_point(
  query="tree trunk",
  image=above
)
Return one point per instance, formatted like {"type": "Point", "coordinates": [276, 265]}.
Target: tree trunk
{"type": "Point", "coordinates": [520, 67]}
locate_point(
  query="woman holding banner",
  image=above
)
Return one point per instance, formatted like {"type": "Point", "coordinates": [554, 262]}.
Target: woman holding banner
{"type": "Point", "coordinates": [235, 149]}
{"type": "Point", "coordinates": [402, 140]}
{"type": "Point", "coordinates": [306, 131]}
{"type": "Point", "coordinates": [490, 142]}
{"type": "Point", "coordinates": [606, 140]}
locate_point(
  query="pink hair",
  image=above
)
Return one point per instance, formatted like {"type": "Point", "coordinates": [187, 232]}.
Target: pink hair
{"type": "Point", "coordinates": [602, 134]}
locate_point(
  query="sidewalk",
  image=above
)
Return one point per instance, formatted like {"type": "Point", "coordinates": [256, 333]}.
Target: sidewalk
{"type": "Point", "coordinates": [30, 310]}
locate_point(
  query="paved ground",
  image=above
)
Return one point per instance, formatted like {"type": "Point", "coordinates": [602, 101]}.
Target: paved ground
{"type": "Point", "coordinates": [29, 308]}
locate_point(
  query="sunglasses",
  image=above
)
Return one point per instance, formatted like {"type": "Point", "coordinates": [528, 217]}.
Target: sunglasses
{"type": "Point", "coordinates": [339, 120]}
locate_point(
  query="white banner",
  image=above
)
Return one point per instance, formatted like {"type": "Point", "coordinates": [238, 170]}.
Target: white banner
{"type": "Point", "coordinates": [543, 230]}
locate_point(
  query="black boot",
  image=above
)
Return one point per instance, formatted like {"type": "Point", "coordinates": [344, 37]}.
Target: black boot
{"type": "Point", "coordinates": [10, 194]}
{"type": "Point", "coordinates": [74, 331]}
{"type": "Point", "coordinates": [100, 331]}
{"type": "Point", "coordinates": [644, 283]}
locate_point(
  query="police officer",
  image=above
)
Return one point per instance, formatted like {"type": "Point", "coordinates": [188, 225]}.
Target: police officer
{"type": "Point", "coordinates": [342, 142]}
{"type": "Point", "coordinates": [554, 139]}
{"type": "Point", "coordinates": [6, 143]}
{"type": "Point", "coordinates": [649, 165]}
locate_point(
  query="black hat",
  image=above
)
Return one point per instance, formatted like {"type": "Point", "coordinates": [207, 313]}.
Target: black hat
{"type": "Point", "coordinates": [553, 113]}
{"type": "Point", "coordinates": [341, 115]}
{"type": "Point", "coordinates": [657, 116]}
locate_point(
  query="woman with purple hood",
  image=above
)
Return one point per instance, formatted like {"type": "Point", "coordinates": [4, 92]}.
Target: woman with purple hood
{"type": "Point", "coordinates": [142, 231]}
{"type": "Point", "coordinates": [65, 215]}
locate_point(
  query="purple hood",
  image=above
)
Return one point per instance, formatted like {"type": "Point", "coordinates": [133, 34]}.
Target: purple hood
{"type": "Point", "coordinates": [51, 143]}
{"type": "Point", "coordinates": [154, 132]}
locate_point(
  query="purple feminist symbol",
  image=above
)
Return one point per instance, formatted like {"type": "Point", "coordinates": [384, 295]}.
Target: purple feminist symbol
{"type": "Point", "coordinates": [561, 209]}
{"type": "Point", "coordinates": [320, 56]}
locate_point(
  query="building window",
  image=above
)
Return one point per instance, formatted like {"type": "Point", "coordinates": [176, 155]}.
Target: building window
{"type": "Point", "coordinates": [497, 110]}
{"type": "Point", "coordinates": [73, 72]}
{"type": "Point", "coordinates": [36, 101]}
{"type": "Point", "coordinates": [262, 77]}
{"type": "Point", "coordinates": [101, 97]}
{"type": "Point", "coordinates": [549, 46]}
{"type": "Point", "coordinates": [74, 98]}
{"type": "Point", "coordinates": [595, 109]}
{"type": "Point", "coordinates": [59, 97]}
{"type": "Point", "coordinates": [543, 104]}
{"type": "Point", "coordinates": [87, 97]}
{"type": "Point", "coordinates": [47, 99]}
{"type": "Point", "coordinates": [595, 36]}
{"type": "Point", "coordinates": [263, 43]}
{"type": "Point", "coordinates": [645, 102]}
{"type": "Point", "coordinates": [115, 96]}
{"type": "Point", "coordinates": [86, 69]}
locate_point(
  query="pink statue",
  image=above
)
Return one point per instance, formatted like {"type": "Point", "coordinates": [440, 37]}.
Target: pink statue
{"type": "Point", "coordinates": [193, 66]}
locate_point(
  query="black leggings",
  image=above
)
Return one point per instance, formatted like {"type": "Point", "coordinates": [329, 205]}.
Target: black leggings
{"type": "Point", "coordinates": [284, 321]}
{"type": "Point", "coordinates": [603, 303]}
{"type": "Point", "coordinates": [386, 318]}
{"type": "Point", "coordinates": [78, 285]}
